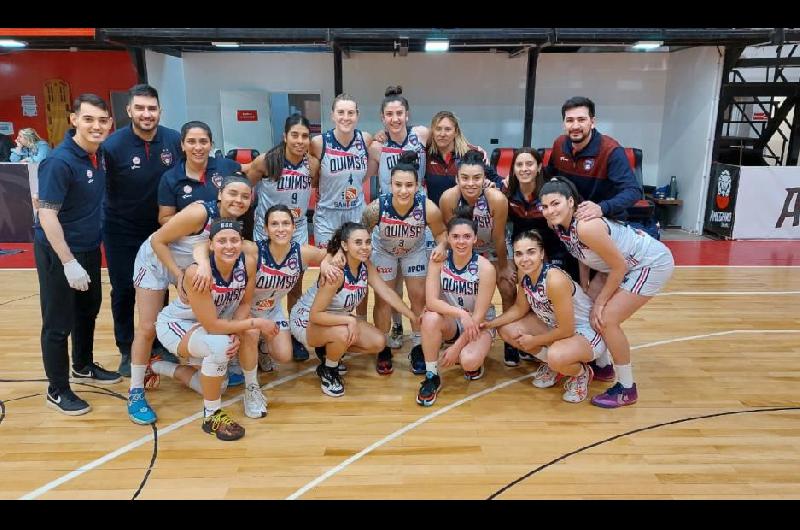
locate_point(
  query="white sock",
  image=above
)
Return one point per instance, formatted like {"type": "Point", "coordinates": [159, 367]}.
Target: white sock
{"type": "Point", "coordinates": [194, 383]}
{"type": "Point", "coordinates": [542, 355]}
{"type": "Point", "coordinates": [163, 368]}
{"type": "Point", "coordinates": [331, 364]}
{"type": "Point", "coordinates": [210, 407]}
{"type": "Point", "coordinates": [604, 359]}
{"type": "Point", "coordinates": [624, 374]}
{"type": "Point", "coordinates": [137, 375]}
{"type": "Point", "coordinates": [250, 377]}
{"type": "Point", "coordinates": [432, 367]}
{"type": "Point", "coordinates": [416, 338]}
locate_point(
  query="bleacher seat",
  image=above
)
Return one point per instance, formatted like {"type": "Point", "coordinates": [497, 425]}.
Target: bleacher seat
{"type": "Point", "coordinates": [243, 156]}
{"type": "Point", "coordinates": [501, 160]}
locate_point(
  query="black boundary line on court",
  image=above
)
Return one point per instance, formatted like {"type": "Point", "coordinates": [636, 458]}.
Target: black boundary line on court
{"type": "Point", "coordinates": [105, 391]}
{"type": "Point", "coordinates": [18, 299]}
{"type": "Point", "coordinates": [601, 442]}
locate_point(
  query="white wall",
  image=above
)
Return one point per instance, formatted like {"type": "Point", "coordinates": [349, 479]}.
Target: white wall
{"type": "Point", "coordinates": [628, 92]}
{"type": "Point", "coordinates": [690, 115]}
{"type": "Point", "coordinates": [208, 73]}
{"type": "Point", "coordinates": [166, 74]}
{"type": "Point", "coordinates": [486, 91]}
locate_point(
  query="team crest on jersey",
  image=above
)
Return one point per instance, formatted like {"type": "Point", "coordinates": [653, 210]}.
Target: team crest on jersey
{"type": "Point", "coordinates": [187, 189]}
{"type": "Point", "coordinates": [166, 158]}
{"type": "Point", "coordinates": [588, 164]}
{"type": "Point", "coordinates": [417, 215]}
{"type": "Point", "coordinates": [136, 160]}
{"type": "Point", "coordinates": [238, 275]}
{"type": "Point", "coordinates": [292, 263]}
{"type": "Point", "coordinates": [413, 140]}
{"type": "Point", "coordinates": [473, 268]}
{"type": "Point", "coordinates": [89, 175]}
{"type": "Point", "coordinates": [359, 144]}
{"type": "Point", "coordinates": [216, 178]}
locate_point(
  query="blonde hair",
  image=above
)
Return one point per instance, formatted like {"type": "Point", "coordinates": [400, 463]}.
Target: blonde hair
{"type": "Point", "coordinates": [461, 144]}
{"type": "Point", "coordinates": [30, 136]}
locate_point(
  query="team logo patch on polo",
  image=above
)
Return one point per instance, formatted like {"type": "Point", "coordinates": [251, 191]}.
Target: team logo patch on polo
{"type": "Point", "coordinates": [136, 160]}
{"type": "Point", "coordinates": [216, 178]}
{"type": "Point", "coordinates": [588, 164]}
{"type": "Point", "coordinates": [89, 173]}
{"type": "Point", "coordinates": [187, 189]}
{"type": "Point", "coordinates": [166, 158]}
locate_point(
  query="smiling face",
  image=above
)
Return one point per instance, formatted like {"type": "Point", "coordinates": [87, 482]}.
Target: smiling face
{"type": "Point", "coordinates": [395, 117]}
{"type": "Point", "coordinates": [234, 199]}
{"type": "Point", "coordinates": [92, 125]}
{"type": "Point", "coordinates": [470, 180]}
{"type": "Point", "coordinates": [297, 140]}
{"type": "Point", "coordinates": [196, 145]}
{"type": "Point", "coordinates": [358, 245]}
{"type": "Point", "coordinates": [528, 255]}
{"type": "Point", "coordinates": [226, 246]}
{"type": "Point", "coordinates": [526, 168]}
{"type": "Point", "coordinates": [461, 238]}
{"type": "Point", "coordinates": [345, 116]}
{"type": "Point", "coordinates": [280, 227]}
{"type": "Point", "coordinates": [558, 209]}
{"type": "Point", "coordinates": [578, 124]}
{"type": "Point", "coordinates": [444, 135]}
{"type": "Point", "coordinates": [404, 186]}
{"type": "Point", "coordinates": [145, 113]}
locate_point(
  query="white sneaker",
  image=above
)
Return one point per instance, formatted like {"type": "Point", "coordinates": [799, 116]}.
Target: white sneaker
{"type": "Point", "coordinates": [577, 387]}
{"type": "Point", "coordinates": [255, 404]}
{"type": "Point", "coordinates": [265, 362]}
{"type": "Point", "coordinates": [544, 377]}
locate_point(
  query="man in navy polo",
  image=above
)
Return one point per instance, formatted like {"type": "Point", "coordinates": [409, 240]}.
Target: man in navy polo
{"type": "Point", "coordinates": [67, 251]}
{"type": "Point", "coordinates": [598, 167]}
{"type": "Point", "coordinates": [136, 157]}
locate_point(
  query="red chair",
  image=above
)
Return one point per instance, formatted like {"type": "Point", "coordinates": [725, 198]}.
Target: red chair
{"type": "Point", "coordinates": [243, 156]}
{"type": "Point", "coordinates": [501, 160]}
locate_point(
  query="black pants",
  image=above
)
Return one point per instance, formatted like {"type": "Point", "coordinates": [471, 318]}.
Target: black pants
{"type": "Point", "coordinates": [65, 312]}
{"type": "Point", "coordinates": [121, 252]}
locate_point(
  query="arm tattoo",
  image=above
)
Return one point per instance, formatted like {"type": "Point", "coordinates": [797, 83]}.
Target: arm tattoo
{"type": "Point", "coordinates": [370, 216]}
{"type": "Point", "coordinates": [50, 205]}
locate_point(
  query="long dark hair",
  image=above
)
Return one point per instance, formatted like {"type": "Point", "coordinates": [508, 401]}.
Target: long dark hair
{"type": "Point", "coordinates": [342, 234]}
{"type": "Point", "coordinates": [513, 181]}
{"type": "Point", "coordinates": [278, 208]}
{"type": "Point", "coordinates": [564, 187]}
{"type": "Point", "coordinates": [531, 234]}
{"type": "Point", "coordinates": [275, 158]}
{"type": "Point", "coordinates": [463, 215]}
{"type": "Point", "coordinates": [408, 161]}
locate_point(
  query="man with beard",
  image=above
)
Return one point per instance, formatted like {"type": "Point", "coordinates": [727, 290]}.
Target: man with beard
{"type": "Point", "coordinates": [136, 157]}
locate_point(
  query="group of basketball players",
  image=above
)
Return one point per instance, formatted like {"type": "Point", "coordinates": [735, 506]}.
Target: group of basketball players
{"type": "Point", "coordinates": [481, 233]}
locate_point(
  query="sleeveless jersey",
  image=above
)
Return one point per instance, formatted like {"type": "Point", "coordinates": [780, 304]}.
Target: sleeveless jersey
{"type": "Point", "coordinates": [536, 294]}
{"type": "Point", "coordinates": [275, 280]}
{"type": "Point", "coordinates": [182, 248]}
{"type": "Point", "coordinates": [342, 171]}
{"type": "Point", "coordinates": [226, 295]}
{"type": "Point", "coordinates": [482, 215]}
{"type": "Point", "coordinates": [349, 295]}
{"type": "Point", "coordinates": [637, 248]}
{"type": "Point", "coordinates": [390, 154]}
{"type": "Point", "coordinates": [292, 188]}
{"type": "Point", "coordinates": [460, 286]}
{"type": "Point", "coordinates": [400, 234]}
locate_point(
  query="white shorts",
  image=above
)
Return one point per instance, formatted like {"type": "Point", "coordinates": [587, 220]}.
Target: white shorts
{"type": "Point", "coordinates": [648, 281]}
{"type": "Point", "coordinates": [327, 221]}
{"type": "Point", "coordinates": [298, 323]}
{"type": "Point", "coordinates": [430, 242]}
{"type": "Point", "coordinates": [594, 338]}
{"type": "Point", "coordinates": [170, 332]}
{"type": "Point", "coordinates": [412, 265]}
{"type": "Point", "coordinates": [491, 314]}
{"type": "Point", "coordinates": [148, 271]}
{"type": "Point", "coordinates": [275, 313]}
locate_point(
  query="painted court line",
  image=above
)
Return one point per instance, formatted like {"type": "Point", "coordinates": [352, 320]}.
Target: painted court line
{"type": "Point", "coordinates": [144, 439]}
{"type": "Point", "coordinates": [333, 471]}
{"type": "Point", "coordinates": [724, 293]}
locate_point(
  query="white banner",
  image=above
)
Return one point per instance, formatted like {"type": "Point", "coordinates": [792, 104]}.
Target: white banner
{"type": "Point", "coordinates": [768, 203]}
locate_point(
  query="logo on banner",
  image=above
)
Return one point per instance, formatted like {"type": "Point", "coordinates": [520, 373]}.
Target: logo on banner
{"type": "Point", "coordinates": [723, 197]}
{"type": "Point", "coordinates": [791, 193]}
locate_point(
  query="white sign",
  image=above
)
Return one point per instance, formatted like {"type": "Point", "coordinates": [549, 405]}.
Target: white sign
{"type": "Point", "coordinates": [7, 128]}
{"type": "Point", "coordinates": [768, 203]}
{"type": "Point", "coordinates": [29, 106]}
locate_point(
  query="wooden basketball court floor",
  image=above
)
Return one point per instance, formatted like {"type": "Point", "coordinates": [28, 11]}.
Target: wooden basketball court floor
{"type": "Point", "coordinates": [716, 357]}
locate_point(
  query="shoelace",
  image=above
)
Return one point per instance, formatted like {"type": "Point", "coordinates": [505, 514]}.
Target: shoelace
{"type": "Point", "coordinates": [542, 372]}
{"type": "Point", "coordinates": [255, 393]}
{"type": "Point", "coordinates": [616, 389]}
{"type": "Point", "coordinates": [219, 419]}
{"type": "Point", "coordinates": [428, 386]}
{"type": "Point", "coordinates": [334, 374]}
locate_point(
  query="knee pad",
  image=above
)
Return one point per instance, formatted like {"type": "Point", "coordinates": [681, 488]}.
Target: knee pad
{"type": "Point", "coordinates": [211, 348]}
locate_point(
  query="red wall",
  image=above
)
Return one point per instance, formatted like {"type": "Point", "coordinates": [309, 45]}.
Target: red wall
{"type": "Point", "coordinates": [24, 73]}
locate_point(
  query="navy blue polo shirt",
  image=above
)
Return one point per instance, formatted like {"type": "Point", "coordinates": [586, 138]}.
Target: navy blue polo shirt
{"type": "Point", "coordinates": [134, 169]}
{"type": "Point", "coordinates": [178, 190]}
{"type": "Point", "coordinates": [71, 177]}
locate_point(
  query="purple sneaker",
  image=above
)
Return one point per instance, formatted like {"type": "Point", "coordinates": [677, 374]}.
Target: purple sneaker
{"type": "Point", "coordinates": [616, 396]}
{"type": "Point", "coordinates": [605, 374]}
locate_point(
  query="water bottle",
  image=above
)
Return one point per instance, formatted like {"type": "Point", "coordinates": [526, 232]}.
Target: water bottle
{"type": "Point", "coordinates": [673, 187]}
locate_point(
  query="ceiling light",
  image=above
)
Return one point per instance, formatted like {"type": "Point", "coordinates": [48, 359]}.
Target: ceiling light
{"type": "Point", "coordinates": [437, 45]}
{"type": "Point", "coordinates": [648, 44]}
{"type": "Point", "coordinates": [225, 44]}
{"type": "Point", "coordinates": [9, 43]}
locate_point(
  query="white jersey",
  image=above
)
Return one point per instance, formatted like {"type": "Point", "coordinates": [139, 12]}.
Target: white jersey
{"type": "Point", "coordinates": [275, 280]}
{"type": "Point", "coordinates": [349, 295]}
{"type": "Point", "coordinates": [226, 294]}
{"type": "Point", "coordinates": [460, 286]}
{"type": "Point", "coordinates": [292, 188]}
{"type": "Point", "coordinates": [183, 247]}
{"type": "Point", "coordinates": [637, 247]}
{"type": "Point", "coordinates": [341, 172]}
{"type": "Point", "coordinates": [482, 215]}
{"type": "Point", "coordinates": [390, 154]}
{"type": "Point", "coordinates": [542, 306]}
{"type": "Point", "coordinates": [400, 234]}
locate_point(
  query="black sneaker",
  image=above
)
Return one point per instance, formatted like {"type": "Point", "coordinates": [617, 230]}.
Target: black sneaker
{"type": "Point", "coordinates": [221, 425]}
{"type": "Point", "coordinates": [125, 365]}
{"type": "Point", "coordinates": [94, 373]}
{"type": "Point", "coordinates": [330, 381]}
{"type": "Point", "coordinates": [320, 351]}
{"type": "Point", "coordinates": [384, 363]}
{"type": "Point", "coordinates": [66, 402]}
{"type": "Point", "coordinates": [429, 389]}
{"type": "Point", "coordinates": [299, 352]}
{"type": "Point", "coordinates": [416, 360]}
{"type": "Point", "coordinates": [510, 355]}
